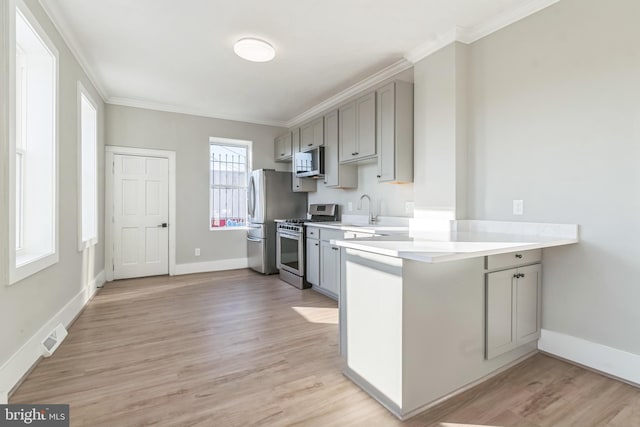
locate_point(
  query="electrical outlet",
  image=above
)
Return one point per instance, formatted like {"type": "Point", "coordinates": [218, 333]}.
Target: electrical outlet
{"type": "Point", "coordinates": [350, 206]}
{"type": "Point", "coordinates": [408, 207]}
{"type": "Point", "coordinates": [518, 207]}
{"type": "Point", "coordinates": [197, 251]}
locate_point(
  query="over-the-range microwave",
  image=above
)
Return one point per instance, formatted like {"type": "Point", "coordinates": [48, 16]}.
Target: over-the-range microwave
{"type": "Point", "coordinates": [309, 163]}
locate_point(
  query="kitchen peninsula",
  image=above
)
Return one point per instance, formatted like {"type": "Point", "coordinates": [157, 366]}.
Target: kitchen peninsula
{"type": "Point", "coordinates": [425, 316]}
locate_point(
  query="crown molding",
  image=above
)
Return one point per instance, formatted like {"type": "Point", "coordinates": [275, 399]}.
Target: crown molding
{"type": "Point", "coordinates": [150, 105]}
{"type": "Point", "coordinates": [60, 23]}
{"type": "Point", "coordinates": [469, 35]}
{"type": "Point", "coordinates": [505, 18]}
{"type": "Point", "coordinates": [351, 91]}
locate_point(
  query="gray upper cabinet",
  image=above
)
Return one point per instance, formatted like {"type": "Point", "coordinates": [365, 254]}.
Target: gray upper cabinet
{"type": "Point", "coordinates": [336, 175]}
{"type": "Point", "coordinates": [394, 132]}
{"type": "Point", "coordinates": [312, 134]}
{"type": "Point", "coordinates": [299, 184]}
{"type": "Point", "coordinates": [357, 129]}
{"type": "Point", "coordinates": [282, 148]}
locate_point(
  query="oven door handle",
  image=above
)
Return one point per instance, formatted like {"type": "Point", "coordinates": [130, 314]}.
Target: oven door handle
{"type": "Point", "coordinates": [290, 235]}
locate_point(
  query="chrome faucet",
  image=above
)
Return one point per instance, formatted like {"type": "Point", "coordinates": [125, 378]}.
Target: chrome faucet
{"type": "Point", "coordinates": [372, 215]}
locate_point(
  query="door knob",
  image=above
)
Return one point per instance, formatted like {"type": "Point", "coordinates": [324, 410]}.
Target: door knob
{"type": "Point", "coordinates": [163, 225]}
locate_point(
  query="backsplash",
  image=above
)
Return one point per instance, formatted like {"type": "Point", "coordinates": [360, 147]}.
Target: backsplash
{"type": "Point", "coordinates": [390, 199]}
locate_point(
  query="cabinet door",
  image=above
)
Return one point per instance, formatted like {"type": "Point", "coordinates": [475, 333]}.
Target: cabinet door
{"type": "Point", "coordinates": [385, 135]}
{"type": "Point", "coordinates": [306, 136]}
{"type": "Point", "coordinates": [318, 132]}
{"type": "Point", "coordinates": [347, 131]}
{"type": "Point", "coordinates": [330, 268]}
{"type": "Point", "coordinates": [528, 303]}
{"type": "Point", "coordinates": [366, 126]}
{"type": "Point", "coordinates": [282, 147]}
{"type": "Point", "coordinates": [331, 155]}
{"type": "Point", "coordinates": [295, 141]}
{"type": "Point", "coordinates": [499, 312]}
{"type": "Point", "coordinates": [313, 261]}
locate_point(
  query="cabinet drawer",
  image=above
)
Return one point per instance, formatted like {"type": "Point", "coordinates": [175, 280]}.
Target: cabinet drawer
{"type": "Point", "coordinates": [511, 259]}
{"type": "Point", "coordinates": [328, 234]}
{"type": "Point", "coordinates": [312, 232]}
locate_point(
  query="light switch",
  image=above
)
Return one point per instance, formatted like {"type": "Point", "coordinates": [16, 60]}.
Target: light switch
{"type": "Point", "coordinates": [197, 251]}
{"type": "Point", "coordinates": [518, 207]}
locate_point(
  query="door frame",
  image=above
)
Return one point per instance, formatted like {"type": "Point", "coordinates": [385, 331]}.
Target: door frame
{"type": "Point", "coordinates": [110, 152]}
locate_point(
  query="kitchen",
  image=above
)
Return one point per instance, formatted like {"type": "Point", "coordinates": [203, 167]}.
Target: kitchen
{"type": "Point", "coordinates": [542, 111]}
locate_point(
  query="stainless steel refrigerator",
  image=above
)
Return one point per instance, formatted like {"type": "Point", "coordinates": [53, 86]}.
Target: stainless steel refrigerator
{"type": "Point", "coordinates": [270, 198]}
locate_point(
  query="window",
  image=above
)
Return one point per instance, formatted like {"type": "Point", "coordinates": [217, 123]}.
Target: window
{"type": "Point", "coordinates": [230, 163]}
{"type": "Point", "coordinates": [88, 140]}
{"type": "Point", "coordinates": [33, 145]}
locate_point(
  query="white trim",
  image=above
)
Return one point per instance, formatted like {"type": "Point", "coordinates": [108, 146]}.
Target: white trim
{"type": "Point", "coordinates": [207, 266]}
{"type": "Point", "coordinates": [611, 361]}
{"type": "Point", "coordinates": [18, 273]}
{"type": "Point", "coordinates": [23, 360]}
{"type": "Point", "coordinates": [170, 108]}
{"type": "Point", "coordinates": [505, 18]}
{"type": "Point", "coordinates": [351, 91]}
{"type": "Point", "coordinates": [82, 90]}
{"type": "Point", "coordinates": [110, 150]}
{"type": "Point", "coordinates": [432, 46]}
{"type": "Point", "coordinates": [475, 33]}
{"type": "Point", "coordinates": [65, 31]}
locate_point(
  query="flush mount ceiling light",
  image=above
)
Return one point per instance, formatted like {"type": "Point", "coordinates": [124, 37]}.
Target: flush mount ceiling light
{"type": "Point", "coordinates": [255, 50]}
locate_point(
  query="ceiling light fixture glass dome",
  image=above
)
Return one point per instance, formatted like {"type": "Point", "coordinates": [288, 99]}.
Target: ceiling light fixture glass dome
{"type": "Point", "coordinates": [253, 49]}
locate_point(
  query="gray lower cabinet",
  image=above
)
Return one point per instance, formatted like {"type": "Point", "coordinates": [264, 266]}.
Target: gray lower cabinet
{"type": "Point", "coordinates": [336, 175]}
{"type": "Point", "coordinates": [513, 308]}
{"type": "Point", "coordinates": [313, 261]}
{"type": "Point", "coordinates": [329, 267]}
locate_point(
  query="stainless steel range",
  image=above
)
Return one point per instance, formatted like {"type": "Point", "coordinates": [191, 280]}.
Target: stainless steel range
{"type": "Point", "coordinates": [290, 251]}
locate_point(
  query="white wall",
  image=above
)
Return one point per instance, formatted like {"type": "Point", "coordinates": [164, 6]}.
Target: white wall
{"type": "Point", "coordinates": [28, 305]}
{"type": "Point", "coordinates": [555, 121]}
{"type": "Point", "coordinates": [189, 136]}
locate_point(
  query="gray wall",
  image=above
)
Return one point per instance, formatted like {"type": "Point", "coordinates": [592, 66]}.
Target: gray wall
{"type": "Point", "coordinates": [189, 136]}
{"type": "Point", "coordinates": [555, 121]}
{"type": "Point", "coordinates": [27, 305]}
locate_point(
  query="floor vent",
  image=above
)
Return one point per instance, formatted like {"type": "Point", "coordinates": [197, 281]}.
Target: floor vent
{"type": "Point", "coordinates": [51, 343]}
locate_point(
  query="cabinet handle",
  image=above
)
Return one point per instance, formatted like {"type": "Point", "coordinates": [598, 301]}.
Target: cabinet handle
{"type": "Point", "coordinates": [378, 176]}
{"type": "Point", "coordinates": [309, 145]}
{"type": "Point", "coordinates": [518, 256]}
{"type": "Point", "coordinates": [353, 154]}
{"type": "Point", "coordinates": [521, 274]}
{"type": "Point", "coordinates": [316, 244]}
{"type": "Point", "coordinates": [515, 276]}
{"type": "Point", "coordinates": [334, 249]}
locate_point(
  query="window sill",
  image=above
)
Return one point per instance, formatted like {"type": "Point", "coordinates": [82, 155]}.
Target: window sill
{"type": "Point", "coordinates": [27, 264]}
{"type": "Point", "coordinates": [228, 228]}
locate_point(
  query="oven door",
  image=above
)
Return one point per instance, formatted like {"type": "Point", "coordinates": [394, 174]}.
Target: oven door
{"type": "Point", "coordinates": [290, 252]}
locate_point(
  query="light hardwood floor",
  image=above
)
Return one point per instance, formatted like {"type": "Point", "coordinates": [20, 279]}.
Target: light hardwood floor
{"type": "Point", "coordinates": [237, 349]}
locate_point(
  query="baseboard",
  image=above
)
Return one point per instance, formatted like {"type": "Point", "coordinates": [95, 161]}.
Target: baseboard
{"type": "Point", "coordinates": [207, 266]}
{"type": "Point", "coordinates": [22, 361]}
{"type": "Point", "coordinates": [608, 360]}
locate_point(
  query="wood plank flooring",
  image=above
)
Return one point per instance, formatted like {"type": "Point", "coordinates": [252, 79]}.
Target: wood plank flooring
{"type": "Point", "coordinates": [240, 349]}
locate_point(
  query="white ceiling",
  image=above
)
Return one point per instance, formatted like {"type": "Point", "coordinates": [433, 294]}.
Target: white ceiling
{"type": "Point", "coordinates": [178, 55]}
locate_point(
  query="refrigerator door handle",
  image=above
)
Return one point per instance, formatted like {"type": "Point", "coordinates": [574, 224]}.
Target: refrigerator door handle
{"type": "Point", "coordinates": [252, 197]}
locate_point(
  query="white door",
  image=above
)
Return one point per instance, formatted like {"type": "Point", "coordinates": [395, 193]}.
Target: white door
{"type": "Point", "coordinates": [140, 216]}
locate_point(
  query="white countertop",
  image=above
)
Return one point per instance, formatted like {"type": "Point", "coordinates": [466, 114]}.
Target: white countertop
{"type": "Point", "coordinates": [362, 228]}
{"type": "Point", "coordinates": [455, 245]}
